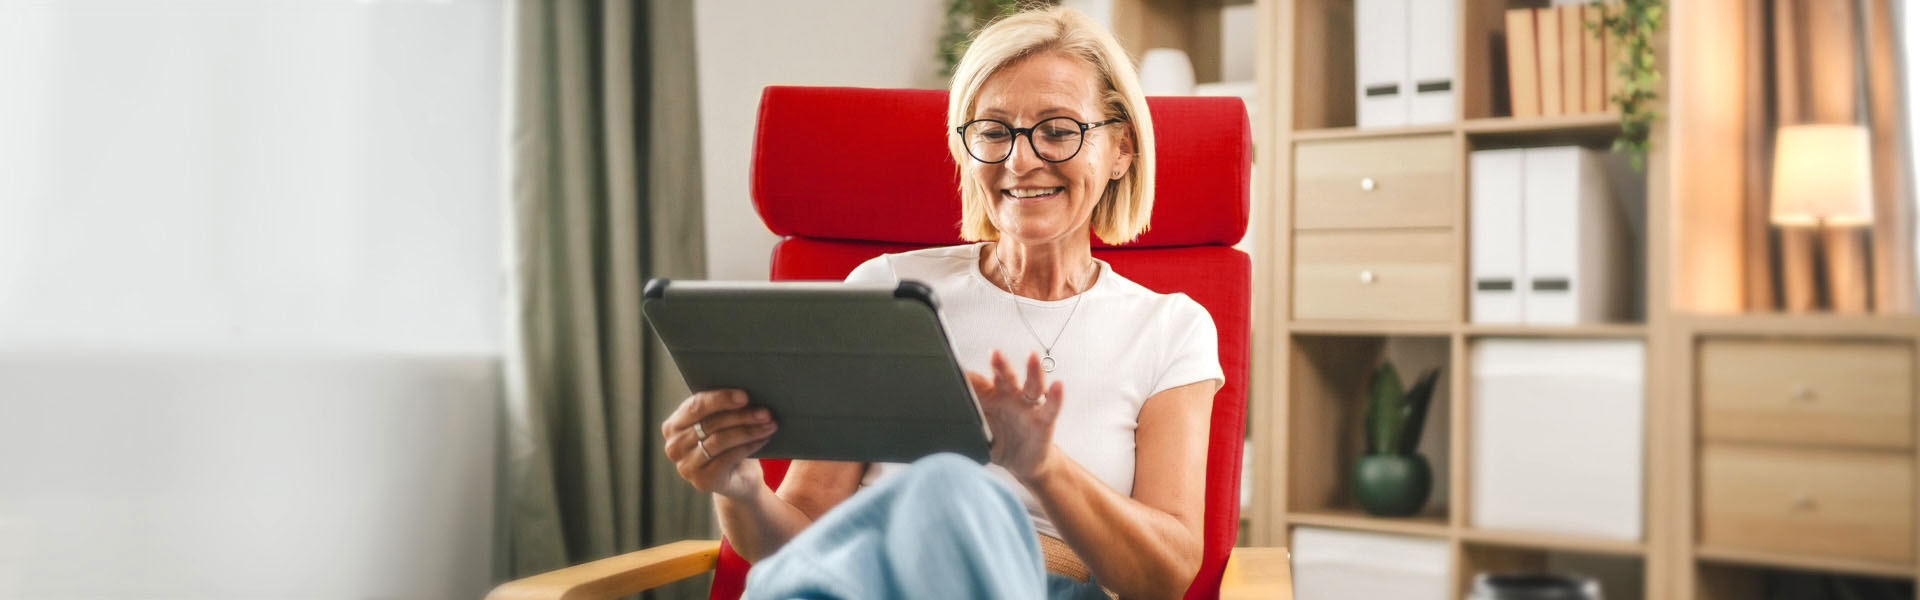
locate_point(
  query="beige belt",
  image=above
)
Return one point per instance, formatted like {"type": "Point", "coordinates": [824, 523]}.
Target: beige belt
{"type": "Point", "coordinates": [1061, 559]}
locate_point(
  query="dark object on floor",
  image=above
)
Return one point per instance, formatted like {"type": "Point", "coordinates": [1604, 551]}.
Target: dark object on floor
{"type": "Point", "coordinates": [1791, 585]}
{"type": "Point", "coordinates": [1533, 586]}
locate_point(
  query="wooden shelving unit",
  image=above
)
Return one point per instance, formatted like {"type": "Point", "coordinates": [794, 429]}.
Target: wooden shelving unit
{"type": "Point", "coordinates": [1723, 569]}
{"type": "Point", "coordinates": [1310, 368]}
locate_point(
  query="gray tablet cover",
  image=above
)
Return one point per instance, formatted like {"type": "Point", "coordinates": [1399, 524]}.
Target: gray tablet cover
{"type": "Point", "coordinates": [856, 372]}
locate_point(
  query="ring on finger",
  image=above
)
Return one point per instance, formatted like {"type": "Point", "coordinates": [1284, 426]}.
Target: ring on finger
{"type": "Point", "coordinates": [699, 431]}
{"type": "Point", "coordinates": [702, 445]}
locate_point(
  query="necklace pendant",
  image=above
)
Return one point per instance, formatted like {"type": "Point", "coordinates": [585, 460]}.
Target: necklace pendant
{"type": "Point", "coordinates": [1046, 363]}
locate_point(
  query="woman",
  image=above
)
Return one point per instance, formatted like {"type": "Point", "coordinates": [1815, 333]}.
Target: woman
{"type": "Point", "coordinates": [1099, 431]}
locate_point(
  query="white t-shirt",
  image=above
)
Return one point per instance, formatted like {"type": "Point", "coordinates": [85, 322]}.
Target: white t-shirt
{"type": "Point", "coordinates": [1123, 344]}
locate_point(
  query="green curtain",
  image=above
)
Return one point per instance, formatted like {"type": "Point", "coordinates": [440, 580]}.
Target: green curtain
{"type": "Point", "coordinates": [605, 194]}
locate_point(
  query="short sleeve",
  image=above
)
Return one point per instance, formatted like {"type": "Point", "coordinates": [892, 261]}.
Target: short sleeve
{"type": "Point", "coordinates": [1193, 349]}
{"type": "Point", "coordinates": [878, 269]}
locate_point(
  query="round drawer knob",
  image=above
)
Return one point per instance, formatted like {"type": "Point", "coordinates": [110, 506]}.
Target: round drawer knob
{"type": "Point", "coordinates": [1803, 503]}
{"type": "Point", "coordinates": [1366, 277]}
{"type": "Point", "coordinates": [1367, 184]}
{"type": "Point", "coordinates": [1803, 393]}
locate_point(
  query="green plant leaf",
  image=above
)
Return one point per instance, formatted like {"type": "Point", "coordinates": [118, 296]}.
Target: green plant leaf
{"type": "Point", "coordinates": [1418, 400]}
{"type": "Point", "coordinates": [1385, 411]}
{"type": "Point", "coordinates": [1632, 27]}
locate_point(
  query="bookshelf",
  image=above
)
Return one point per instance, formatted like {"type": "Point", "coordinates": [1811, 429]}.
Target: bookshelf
{"type": "Point", "coordinates": [1312, 362]}
{"type": "Point", "coordinates": [1310, 369]}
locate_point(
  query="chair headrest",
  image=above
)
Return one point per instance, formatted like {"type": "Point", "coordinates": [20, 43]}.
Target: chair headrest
{"type": "Point", "coordinates": [872, 165]}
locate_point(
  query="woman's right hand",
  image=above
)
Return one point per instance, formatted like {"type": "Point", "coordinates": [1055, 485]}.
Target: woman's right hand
{"type": "Point", "coordinates": [709, 437]}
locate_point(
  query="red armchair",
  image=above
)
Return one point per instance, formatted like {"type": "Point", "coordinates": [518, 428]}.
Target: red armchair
{"type": "Point", "coordinates": [841, 190]}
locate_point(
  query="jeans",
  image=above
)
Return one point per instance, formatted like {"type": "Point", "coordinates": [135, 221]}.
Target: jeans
{"type": "Point", "coordinates": [942, 528]}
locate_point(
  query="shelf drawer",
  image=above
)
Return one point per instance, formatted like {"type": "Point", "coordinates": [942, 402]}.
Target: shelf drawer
{"type": "Point", "coordinates": [1382, 183]}
{"type": "Point", "coordinates": [1841, 393]}
{"type": "Point", "coordinates": [1392, 275]}
{"type": "Point", "coordinates": [1842, 503]}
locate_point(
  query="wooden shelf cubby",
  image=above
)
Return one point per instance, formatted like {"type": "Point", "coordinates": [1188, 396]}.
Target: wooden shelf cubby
{"type": "Point", "coordinates": [1329, 382]}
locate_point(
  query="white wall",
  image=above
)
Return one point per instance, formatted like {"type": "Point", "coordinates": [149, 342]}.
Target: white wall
{"type": "Point", "coordinates": [218, 173]}
{"type": "Point", "coordinates": [745, 45]}
{"type": "Point", "coordinates": [246, 475]}
{"type": "Point", "coordinates": [250, 297]}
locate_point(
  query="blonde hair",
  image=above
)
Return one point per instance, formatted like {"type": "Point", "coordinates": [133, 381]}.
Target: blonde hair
{"type": "Point", "coordinates": [1127, 204]}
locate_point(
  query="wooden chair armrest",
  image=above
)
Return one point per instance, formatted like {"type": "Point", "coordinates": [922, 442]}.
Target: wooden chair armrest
{"type": "Point", "coordinates": [1257, 573]}
{"type": "Point", "coordinates": [616, 576]}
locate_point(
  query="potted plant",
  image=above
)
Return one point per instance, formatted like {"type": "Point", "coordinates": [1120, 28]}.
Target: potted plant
{"type": "Point", "coordinates": [1392, 479]}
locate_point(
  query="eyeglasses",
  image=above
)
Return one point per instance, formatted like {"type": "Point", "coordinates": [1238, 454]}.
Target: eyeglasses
{"type": "Point", "coordinates": [1053, 140]}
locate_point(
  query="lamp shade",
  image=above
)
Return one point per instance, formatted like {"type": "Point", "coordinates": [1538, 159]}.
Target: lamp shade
{"type": "Point", "coordinates": [1822, 174]}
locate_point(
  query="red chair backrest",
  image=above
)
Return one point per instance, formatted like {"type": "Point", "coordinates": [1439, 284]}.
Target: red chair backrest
{"type": "Point", "coordinates": [819, 182]}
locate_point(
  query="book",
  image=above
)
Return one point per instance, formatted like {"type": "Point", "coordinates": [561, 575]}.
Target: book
{"type": "Point", "coordinates": [1593, 60]}
{"type": "Point", "coordinates": [1573, 44]}
{"type": "Point", "coordinates": [1523, 66]}
{"type": "Point", "coordinates": [1616, 54]}
{"type": "Point", "coordinates": [1547, 31]}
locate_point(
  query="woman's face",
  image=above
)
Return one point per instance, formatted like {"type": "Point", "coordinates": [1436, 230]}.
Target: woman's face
{"type": "Point", "coordinates": [1031, 200]}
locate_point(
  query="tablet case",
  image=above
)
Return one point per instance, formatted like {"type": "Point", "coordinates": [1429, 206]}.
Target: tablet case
{"type": "Point", "coordinates": [854, 372]}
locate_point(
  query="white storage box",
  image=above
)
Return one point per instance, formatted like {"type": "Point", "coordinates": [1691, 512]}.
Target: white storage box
{"type": "Point", "coordinates": [1333, 564]}
{"type": "Point", "coordinates": [1380, 63]}
{"type": "Point", "coordinates": [1403, 62]}
{"type": "Point", "coordinates": [1558, 436]}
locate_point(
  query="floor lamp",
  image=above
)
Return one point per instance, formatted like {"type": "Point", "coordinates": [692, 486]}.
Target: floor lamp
{"type": "Point", "coordinates": [1823, 191]}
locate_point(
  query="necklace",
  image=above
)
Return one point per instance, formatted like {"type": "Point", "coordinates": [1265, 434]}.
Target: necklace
{"type": "Point", "coordinates": [1046, 348]}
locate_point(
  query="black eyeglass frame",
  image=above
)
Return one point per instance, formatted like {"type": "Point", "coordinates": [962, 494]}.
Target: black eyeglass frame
{"type": "Point", "coordinates": [1028, 131]}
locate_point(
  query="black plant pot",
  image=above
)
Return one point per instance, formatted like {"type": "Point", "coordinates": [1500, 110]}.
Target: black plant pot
{"type": "Point", "coordinates": [1392, 485]}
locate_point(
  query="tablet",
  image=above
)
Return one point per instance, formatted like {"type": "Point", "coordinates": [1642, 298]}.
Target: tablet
{"type": "Point", "coordinates": [850, 371]}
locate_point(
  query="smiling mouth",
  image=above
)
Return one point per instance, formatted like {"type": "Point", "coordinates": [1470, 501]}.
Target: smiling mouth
{"type": "Point", "coordinates": [1032, 194]}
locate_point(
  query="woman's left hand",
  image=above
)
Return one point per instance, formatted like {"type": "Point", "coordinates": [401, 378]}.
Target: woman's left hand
{"type": "Point", "coordinates": [1020, 412]}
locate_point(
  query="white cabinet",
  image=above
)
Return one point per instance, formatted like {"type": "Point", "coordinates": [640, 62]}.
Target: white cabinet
{"type": "Point", "coordinates": [1558, 434]}
{"type": "Point", "coordinates": [1332, 564]}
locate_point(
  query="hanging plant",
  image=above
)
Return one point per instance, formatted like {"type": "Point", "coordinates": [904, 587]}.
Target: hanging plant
{"type": "Point", "coordinates": [1631, 27]}
{"type": "Point", "coordinates": [964, 17]}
